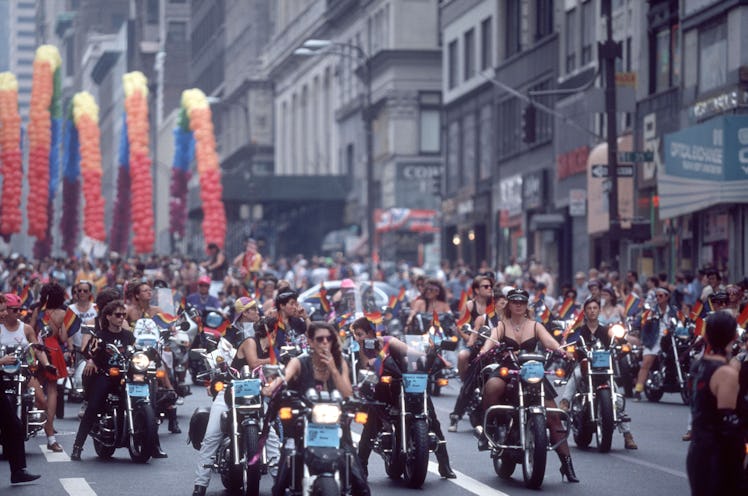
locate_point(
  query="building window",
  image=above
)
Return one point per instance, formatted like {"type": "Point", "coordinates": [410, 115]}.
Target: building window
{"type": "Point", "coordinates": [543, 120]}
{"type": "Point", "coordinates": [176, 32]}
{"type": "Point", "coordinates": [430, 122]}
{"type": "Point", "coordinates": [512, 27]}
{"type": "Point", "coordinates": [452, 64]}
{"type": "Point", "coordinates": [469, 48]}
{"type": "Point", "coordinates": [543, 18]}
{"type": "Point", "coordinates": [152, 11]}
{"type": "Point", "coordinates": [469, 143]}
{"type": "Point", "coordinates": [508, 128]}
{"type": "Point", "coordinates": [486, 44]}
{"type": "Point", "coordinates": [588, 32]}
{"type": "Point", "coordinates": [712, 57]}
{"type": "Point", "coordinates": [571, 40]}
{"type": "Point", "coordinates": [485, 142]}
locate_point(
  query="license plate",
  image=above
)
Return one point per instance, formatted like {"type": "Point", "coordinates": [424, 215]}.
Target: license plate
{"type": "Point", "coordinates": [246, 387]}
{"type": "Point", "coordinates": [322, 435]}
{"type": "Point", "coordinates": [138, 390]}
{"type": "Point", "coordinates": [415, 383]}
{"type": "Point", "coordinates": [600, 359]}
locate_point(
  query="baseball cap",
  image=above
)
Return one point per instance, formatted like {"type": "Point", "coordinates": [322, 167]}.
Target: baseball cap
{"type": "Point", "coordinates": [243, 303]}
{"type": "Point", "coordinates": [204, 280]}
{"type": "Point", "coordinates": [346, 284]}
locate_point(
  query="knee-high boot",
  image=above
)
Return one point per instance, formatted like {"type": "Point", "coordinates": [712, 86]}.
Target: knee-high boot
{"type": "Point", "coordinates": [443, 458]}
{"type": "Point", "coordinates": [567, 469]}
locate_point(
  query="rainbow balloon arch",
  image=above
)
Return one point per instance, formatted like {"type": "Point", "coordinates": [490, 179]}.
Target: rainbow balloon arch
{"type": "Point", "coordinates": [72, 146]}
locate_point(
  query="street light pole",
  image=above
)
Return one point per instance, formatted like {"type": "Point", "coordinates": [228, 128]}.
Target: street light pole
{"type": "Point", "coordinates": [314, 47]}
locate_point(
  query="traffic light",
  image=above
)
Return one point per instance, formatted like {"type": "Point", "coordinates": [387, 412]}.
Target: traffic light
{"type": "Point", "coordinates": [436, 185]}
{"type": "Point", "coordinates": [528, 124]}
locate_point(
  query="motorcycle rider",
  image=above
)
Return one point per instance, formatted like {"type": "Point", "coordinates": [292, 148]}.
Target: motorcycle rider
{"type": "Point", "coordinates": [203, 299]}
{"type": "Point", "coordinates": [292, 318]}
{"type": "Point", "coordinates": [12, 437]}
{"type": "Point", "coordinates": [323, 369]}
{"type": "Point", "coordinates": [112, 331]}
{"type": "Point", "coordinates": [716, 453]}
{"type": "Point", "coordinates": [592, 330]}
{"type": "Point", "coordinates": [254, 357]}
{"type": "Point", "coordinates": [657, 320]}
{"type": "Point", "coordinates": [247, 314]}
{"type": "Point", "coordinates": [518, 331]}
{"type": "Point", "coordinates": [371, 360]}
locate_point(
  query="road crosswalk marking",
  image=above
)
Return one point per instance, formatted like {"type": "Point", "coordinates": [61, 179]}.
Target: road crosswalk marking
{"type": "Point", "coordinates": [52, 457]}
{"type": "Point", "coordinates": [77, 487]}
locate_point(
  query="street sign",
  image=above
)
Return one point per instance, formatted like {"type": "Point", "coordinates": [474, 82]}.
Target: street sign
{"type": "Point", "coordinates": [601, 170]}
{"type": "Point", "coordinates": [635, 157]}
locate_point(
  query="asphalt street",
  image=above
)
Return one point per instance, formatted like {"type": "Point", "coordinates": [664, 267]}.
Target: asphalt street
{"type": "Point", "coordinates": [657, 466]}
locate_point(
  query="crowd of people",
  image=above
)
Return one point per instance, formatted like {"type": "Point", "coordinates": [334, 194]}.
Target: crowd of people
{"type": "Point", "coordinates": [113, 292]}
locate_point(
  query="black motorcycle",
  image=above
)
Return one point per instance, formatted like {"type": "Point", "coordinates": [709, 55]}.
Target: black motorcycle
{"type": "Point", "coordinates": [669, 372]}
{"type": "Point", "coordinates": [240, 459]}
{"type": "Point", "coordinates": [442, 334]}
{"type": "Point", "coordinates": [210, 327]}
{"type": "Point", "coordinates": [319, 424]}
{"type": "Point", "coordinates": [129, 419]}
{"type": "Point", "coordinates": [626, 358]}
{"type": "Point", "coordinates": [14, 381]}
{"type": "Point", "coordinates": [517, 430]}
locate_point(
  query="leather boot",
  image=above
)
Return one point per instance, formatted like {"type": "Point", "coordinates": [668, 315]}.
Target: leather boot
{"type": "Point", "coordinates": [443, 458]}
{"type": "Point", "coordinates": [628, 441]}
{"type": "Point", "coordinates": [199, 490]}
{"type": "Point", "coordinates": [157, 451]}
{"type": "Point", "coordinates": [173, 424]}
{"type": "Point", "coordinates": [76, 454]}
{"type": "Point", "coordinates": [567, 469]}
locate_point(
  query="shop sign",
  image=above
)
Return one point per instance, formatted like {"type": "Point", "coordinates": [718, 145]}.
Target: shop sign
{"type": "Point", "coordinates": [533, 190]}
{"type": "Point", "coordinates": [510, 191]}
{"type": "Point", "coordinates": [718, 104]}
{"type": "Point", "coordinates": [577, 202]}
{"type": "Point", "coordinates": [572, 162]}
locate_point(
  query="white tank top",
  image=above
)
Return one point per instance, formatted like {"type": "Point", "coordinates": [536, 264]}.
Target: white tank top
{"type": "Point", "coordinates": [14, 338]}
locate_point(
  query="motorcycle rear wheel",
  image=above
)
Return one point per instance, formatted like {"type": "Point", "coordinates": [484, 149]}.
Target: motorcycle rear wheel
{"type": "Point", "coordinates": [325, 486]}
{"type": "Point", "coordinates": [654, 394]}
{"type": "Point", "coordinates": [142, 441]}
{"type": "Point", "coordinates": [535, 452]}
{"type": "Point", "coordinates": [417, 464]}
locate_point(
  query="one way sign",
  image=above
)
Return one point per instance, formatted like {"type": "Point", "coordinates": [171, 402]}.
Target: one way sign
{"type": "Point", "coordinates": [601, 170]}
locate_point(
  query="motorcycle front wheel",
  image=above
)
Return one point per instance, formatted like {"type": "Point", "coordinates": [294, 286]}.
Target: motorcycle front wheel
{"type": "Point", "coordinates": [605, 424]}
{"type": "Point", "coordinates": [252, 454]}
{"type": "Point", "coordinates": [582, 427]}
{"type": "Point", "coordinates": [417, 463]}
{"type": "Point", "coordinates": [142, 441]}
{"type": "Point", "coordinates": [535, 451]}
{"type": "Point", "coordinates": [653, 386]}
{"type": "Point", "coordinates": [325, 486]}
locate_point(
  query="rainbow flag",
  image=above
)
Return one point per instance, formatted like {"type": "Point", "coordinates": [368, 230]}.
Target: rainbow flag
{"type": "Point", "coordinates": [743, 318]}
{"type": "Point", "coordinates": [632, 304]}
{"type": "Point", "coordinates": [182, 304]}
{"type": "Point", "coordinates": [71, 322]}
{"type": "Point", "coordinates": [435, 320]}
{"type": "Point", "coordinates": [465, 319]}
{"type": "Point", "coordinates": [700, 326]}
{"type": "Point", "coordinates": [697, 310]}
{"type": "Point", "coordinates": [271, 347]}
{"type": "Point", "coordinates": [323, 301]}
{"type": "Point", "coordinates": [567, 309]}
{"type": "Point", "coordinates": [222, 328]}
{"type": "Point", "coordinates": [392, 302]}
{"type": "Point", "coordinates": [401, 294]}
{"type": "Point", "coordinates": [491, 309]}
{"type": "Point", "coordinates": [540, 295]}
{"type": "Point", "coordinates": [578, 321]}
{"type": "Point", "coordinates": [544, 316]}
{"type": "Point", "coordinates": [164, 320]}
{"type": "Point", "coordinates": [374, 317]}
{"type": "Point", "coordinates": [26, 297]}
{"type": "Point", "coordinates": [463, 300]}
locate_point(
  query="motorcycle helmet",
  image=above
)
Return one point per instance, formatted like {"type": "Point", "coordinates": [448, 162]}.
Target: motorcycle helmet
{"type": "Point", "coordinates": [198, 426]}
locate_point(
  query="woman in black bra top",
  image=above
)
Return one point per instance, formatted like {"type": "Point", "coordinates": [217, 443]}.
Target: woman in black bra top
{"type": "Point", "coordinates": [521, 333]}
{"type": "Point", "coordinates": [716, 453]}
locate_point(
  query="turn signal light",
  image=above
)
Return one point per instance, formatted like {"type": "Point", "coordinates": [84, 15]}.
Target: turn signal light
{"type": "Point", "coordinates": [571, 349]}
{"type": "Point", "coordinates": [361, 417]}
{"type": "Point", "coordinates": [342, 333]}
{"type": "Point", "coordinates": [442, 382]}
{"type": "Point", "coordinates": [386, 379]}
{"type": "Point", "coordinates": [504, 372]}
{"type": "Point", "coordinates": [218, 386]}
{"type": "Point", "coordinates": [160, 374]}
{"type": "Point", "coordinates": [557, 332]}
{"type": "Point", "coordinates": [285, 413]}
{"type": "Point", "coordinates": [114, 372]}
{"type": "Point", "coordinates": [625, 348]}
{"type": "Point", "coordinates": [560, 372]}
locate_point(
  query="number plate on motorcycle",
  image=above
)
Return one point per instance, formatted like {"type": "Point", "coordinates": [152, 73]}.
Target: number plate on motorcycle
{"type": "Point", "coordinates": [246, 387]}
{"type": "Point", "coordinates": [415, 383]}
{"type": "Point", "coordinates": [681, 331]}
{"type": "Point", "coordinates": [139, 390]}
{"type": "Point", "coordinates": [322, 435]}
{"type": "Point", "coordinates": [532, 371]}
{"type": "Point", "coordinates": [600, 359]}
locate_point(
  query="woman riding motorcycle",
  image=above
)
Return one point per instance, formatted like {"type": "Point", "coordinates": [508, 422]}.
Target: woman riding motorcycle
{"type": "Point", "coordinates": [519, 332]}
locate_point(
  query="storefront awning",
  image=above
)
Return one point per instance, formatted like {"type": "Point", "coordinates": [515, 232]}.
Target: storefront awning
{"type": "Point", "coordinates": [705, 165]}
{"type": "Point", "coordinates": [542, 222]}
{"type": "Point", "coordinates": [406, 219]}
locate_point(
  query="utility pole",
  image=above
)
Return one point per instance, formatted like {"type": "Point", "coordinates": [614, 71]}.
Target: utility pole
{"type": "Point", "coordinates": [608, 52]}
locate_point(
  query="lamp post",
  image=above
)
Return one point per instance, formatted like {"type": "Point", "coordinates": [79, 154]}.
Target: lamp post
{"type": "Point", "coordinates": [316, 47]}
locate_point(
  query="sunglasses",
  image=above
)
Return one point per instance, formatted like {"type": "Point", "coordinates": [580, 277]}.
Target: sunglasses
{"type": "Point", "coordinates": [82, 291]}
{"type": "Point", "coordinates": [321, 339]}
{"type": "Point", "coordinates": [485, 286]}
{"type": "Point", "coordinates": [16, 310]}
{"type": "Point", "coordinates": [120, 315]}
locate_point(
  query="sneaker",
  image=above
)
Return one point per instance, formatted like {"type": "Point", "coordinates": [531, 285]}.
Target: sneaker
{"type": "Point", "coordinates": [687, 435]}
{"type": "Point", "coordinates": [453, 421]}
{"type": "Point", "coordinates": [180, 401]}
{"type": "Point", "coordinates": [637, 395]}
{"type": "Point", "coordinates": [55, 447]}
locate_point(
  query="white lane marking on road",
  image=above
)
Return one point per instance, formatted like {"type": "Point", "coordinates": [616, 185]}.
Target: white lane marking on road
{"type": "Point", "coordinates": [464, 481]}
{"type": "Point", "coordinates": [52, 457]}
{"type": "Point", "coordinates": [670, 471]}
{"type": "Point", "coordinates": [77, 487]}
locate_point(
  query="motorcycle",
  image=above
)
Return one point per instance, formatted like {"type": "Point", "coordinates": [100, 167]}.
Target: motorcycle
{"type": "Point", "coordinates": [672, 365]}
{"type": "Point", "coordinates": [516, 430]}
{"type": "Point", "coordinates": [319, 464]}
{"type": "Point", "coordinates": [442, 333]}
{"type": "Point", "coordinates": [14, 381]}
{"type": "Point", "coordinates": [626, 358]}
{"type": "Point", "coordinates": [240, 459]}
{"type": "Point", "coordinates": [404, 439]}
{"type": "Point", "coordinates": [210, 327]}
{"type": "Point", "coordinates": [129, 419]}
{"type": "Point", "coordinates": [594, 404]}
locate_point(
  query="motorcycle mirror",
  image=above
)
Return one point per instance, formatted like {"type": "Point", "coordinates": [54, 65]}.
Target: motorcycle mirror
{"type": "Point", "coordinates": [185, 326]}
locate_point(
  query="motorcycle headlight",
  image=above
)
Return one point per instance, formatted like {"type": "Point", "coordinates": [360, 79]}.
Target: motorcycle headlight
{"type": "Point", "coordinates": [618, 331]}
{"type": "Point", "coordinates": [325, 413]}
{"type": "Point", "coordinates": [140, 361]}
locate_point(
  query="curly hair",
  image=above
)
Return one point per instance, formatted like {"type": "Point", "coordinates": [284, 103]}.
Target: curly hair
{"type": "Point", "coordinates": [265, 326]}
{"type": "Point", "coordinates": [335, 346]}
{"type": "Point", "coordinates": [52, 295]}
